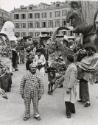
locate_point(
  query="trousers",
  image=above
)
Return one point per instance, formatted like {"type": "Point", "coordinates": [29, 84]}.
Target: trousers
{"type": "Point", "coordinates": [84, 90]}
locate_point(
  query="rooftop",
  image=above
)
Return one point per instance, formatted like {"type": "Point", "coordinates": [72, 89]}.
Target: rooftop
{"type": "Point", "coordinates": [42, 6]}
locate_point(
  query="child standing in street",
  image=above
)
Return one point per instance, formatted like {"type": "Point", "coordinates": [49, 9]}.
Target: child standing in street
{"type": "Point", "coordinates": [51, 78]}
{"type": "Point", "coordinates": [31, 88]}
{"type": "Point", "coordinates": [70, 81]}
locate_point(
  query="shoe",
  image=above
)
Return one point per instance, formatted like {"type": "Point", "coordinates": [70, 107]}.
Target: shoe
{"type": "Point", "coordinates": [61, 86]}
{"type": "Point", "coordinates": [96, 82]}
{"type": "Point", "coordinates": [73, 112]}
{"type": "Point", "coordinates": [37, 117]}
{"type": "Point", "coordinates": [5, 96]}
{"type": "Point", "coordinates": [68, 115]}
{"type": "Point", "coordinates": [50, 93]}
{"type": "Point", "coordinates": [80, 100]}
{"type": "Point", "coordinates": [16, 69]}
{"type": "Point", "coordinates": [87, 104]}
{"type": "Point", "coordinates": [26, 118]}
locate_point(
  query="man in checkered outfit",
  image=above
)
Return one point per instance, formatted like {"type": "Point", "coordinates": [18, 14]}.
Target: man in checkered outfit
{"type": "Point", "coordinates": [31, 88]}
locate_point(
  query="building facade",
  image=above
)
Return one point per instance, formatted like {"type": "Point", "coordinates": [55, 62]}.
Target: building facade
{"type": "Point", "coordinates": [4, 16]}
{"type": "Point", "coordinates": [34, 20]}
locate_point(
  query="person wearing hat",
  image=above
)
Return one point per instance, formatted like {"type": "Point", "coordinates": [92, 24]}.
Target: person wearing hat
{"type": "Point", "coordinates": [40, 62]}
{"type": "Point", "coordinates": [31, 88]}
{"type": "Point", "coordinates": [15, 59]}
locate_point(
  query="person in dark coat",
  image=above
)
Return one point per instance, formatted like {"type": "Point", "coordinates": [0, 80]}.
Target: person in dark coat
{"type": "Point", "coordinates": [15, 59]}
{"type": "Point", "coordinates": [5, 78]}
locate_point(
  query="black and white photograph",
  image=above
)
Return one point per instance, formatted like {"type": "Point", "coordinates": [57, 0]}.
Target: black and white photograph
{"type": "Point", "coordinates": [48, 62]}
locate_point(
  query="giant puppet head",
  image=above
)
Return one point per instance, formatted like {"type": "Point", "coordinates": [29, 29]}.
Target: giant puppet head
{"type": "Point", "coordinates": [8, 39]}
{"type": "Point", "coordinates": [9, 30]}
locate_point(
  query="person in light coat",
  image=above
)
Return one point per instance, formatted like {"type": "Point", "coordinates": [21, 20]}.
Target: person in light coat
{"type": "Point", "coordinates": [70, 81]}
{"type": "Point", "coordinates": [40, 62]}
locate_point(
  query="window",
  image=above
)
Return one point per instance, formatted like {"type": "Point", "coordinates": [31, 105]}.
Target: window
{"type": "Point", "coordinates": [44, 15]}
{"type": "Point", "coordinates": [30, 15]}
{"type": "Point", "coordinates": [57, 23]}
{"type": "Point", "coordinates": [23, 25]}
{"type": "Point", "coordinates": [57, 13]}
{"type": "Point", "coordinates": [30, 25]}
{"type": "Point", "coordinates": [37, 24]}
{"type": "Point", "coordinates": [50, 14]}
{"type": "Point", "coordinates": [23, 34]}
{"type": "Point", "coordinates": [30, 8]}
{"type": "Point", "coordinates": [44, 25]}
{"type": "Point", "coordinates": [37, 15]}
{"type": "Point", "coordinates": [16, 16]}
{"type": "Point", "coordinates": [17, 25]}
{"type": "Point", "coordinates": [23, 16]}
{"type": "Point", "coordinates": [64, 12]}
{"type": "Point", "coordinates": [64, 22]}
{"type": "Point", "coordinates": [57, 5]}
{"type": "Point", "coordinates": [50, 23]}
{"type": "Point", "coordinates": [30, 33]}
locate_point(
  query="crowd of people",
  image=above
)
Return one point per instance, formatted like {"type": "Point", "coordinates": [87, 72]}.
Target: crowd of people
{"type": "Point", "coordinates": [75, 71]}
{"type": "Point", "coordinates": [79, 68]}
{"type": "Point", "coordinates": [67, 75]}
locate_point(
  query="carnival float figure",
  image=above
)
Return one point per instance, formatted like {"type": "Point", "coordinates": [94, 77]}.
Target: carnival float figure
{"type": "Point", "coordinates": [88, 64]}
{"type": "Point", "coordinates": [86, 48]}
{"type": "Point", "coordinates": [6, 37]}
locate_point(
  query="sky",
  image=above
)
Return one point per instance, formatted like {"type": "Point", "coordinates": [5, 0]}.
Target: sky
{"type": "Point", "coordinates": [9, 5]}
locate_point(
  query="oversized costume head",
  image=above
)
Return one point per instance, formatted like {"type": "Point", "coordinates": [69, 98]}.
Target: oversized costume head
{"type": "Point", "coordinates": [9, 30]}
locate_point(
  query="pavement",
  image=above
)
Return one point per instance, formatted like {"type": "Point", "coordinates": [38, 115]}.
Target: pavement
{"type": "Point", "coordinates": [51, 107]}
